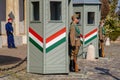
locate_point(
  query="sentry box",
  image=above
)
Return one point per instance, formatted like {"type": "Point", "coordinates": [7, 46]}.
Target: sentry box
{"type": "Point", "coordinates": [48, 36]}
{"type": "Point", "coordinates": [88, 12]}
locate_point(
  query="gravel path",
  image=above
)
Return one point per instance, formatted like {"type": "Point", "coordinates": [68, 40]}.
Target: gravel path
{"type": "Point", "coordinates": [107, 68]}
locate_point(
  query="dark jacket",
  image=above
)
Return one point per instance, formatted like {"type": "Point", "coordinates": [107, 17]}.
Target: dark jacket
{"type": "Point", "coordinates": [9, 29]}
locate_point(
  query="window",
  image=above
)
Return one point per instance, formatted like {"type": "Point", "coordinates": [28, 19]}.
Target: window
{"type": "Point", "coordinates": [35, 11]}
{"type": "Point", "coordinates": [55, 10]}
{"type": "Point", "coordinates": [78, 16]}
{"type": "Point", "coordinates": [91, 17]}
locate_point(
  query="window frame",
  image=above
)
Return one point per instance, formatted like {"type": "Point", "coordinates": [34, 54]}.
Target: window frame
{"type": "Point", "coordinates": [92, 24]}
{"type": "Point", "coordinates": [55, 21]}
{"type": "Point", "coordinates": [80, 17]}
{"type": "Point", "coordinates": [32, 13]}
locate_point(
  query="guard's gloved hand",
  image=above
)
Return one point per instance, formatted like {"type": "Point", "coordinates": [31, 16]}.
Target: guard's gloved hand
{"type": "Point", "coordinates": [10, 33]}
{"type": "Point", "coordinates": [73, 47]}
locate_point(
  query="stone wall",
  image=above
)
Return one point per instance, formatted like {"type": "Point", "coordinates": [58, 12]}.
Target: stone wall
{"type": "Point", "coordinates": [3, 32]}
{"type": "Point", "coordinates": [0, 42]}
{"type": "Point", "coordinates": [2, 12]}
{"type": "Point", "coordinates": [18, 40]}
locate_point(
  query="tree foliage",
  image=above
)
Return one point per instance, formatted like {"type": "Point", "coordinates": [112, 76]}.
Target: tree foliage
{"type": "Point", "coordinates": [112, 27]}
{"type": "Point", "coordinates": [104, 8]}
{"type": "Point", "coordinates": [113, 6]}
{"type": "Point", "coordinates": [112, 24]}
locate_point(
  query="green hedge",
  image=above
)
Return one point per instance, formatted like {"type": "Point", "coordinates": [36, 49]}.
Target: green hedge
{"type": "Point", "coordinates": [112, 27]}
{"type": "Point", "coordinates": [114, 35]}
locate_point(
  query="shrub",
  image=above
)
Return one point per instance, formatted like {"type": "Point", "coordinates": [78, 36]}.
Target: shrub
{"type": "Point", "coordinates": [112, 27]}
{"type": "Point", "coordinates": [114, 35]}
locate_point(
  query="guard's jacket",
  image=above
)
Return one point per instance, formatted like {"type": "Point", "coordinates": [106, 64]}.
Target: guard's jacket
{"type": "Point", "coordinates": [9, 29]}
{"type": "Point", "coordinates": [101, 40]}
{"type": "Point", "coordinates": [74, 35]}
{"type": "Point", "coordinates": [101, 33]}
{"type": "Point", "coordinates": [75, 43]}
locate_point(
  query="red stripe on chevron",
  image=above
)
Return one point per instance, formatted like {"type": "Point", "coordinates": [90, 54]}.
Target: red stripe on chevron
{"type": "Point", "coordinates": [55, 35]}
{"type": "Point", "coordinates": [35, 34]}
{"type": "Point", "coordinates": [95, 30]}
{"type": "Point", "coordinates": [81, 35]}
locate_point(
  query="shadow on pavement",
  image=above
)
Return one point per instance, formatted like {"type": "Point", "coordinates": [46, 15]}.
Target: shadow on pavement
{"type": "Point", "coordinates": [106, 72]}
{"type": "Point", "coordinates": [6, 60]}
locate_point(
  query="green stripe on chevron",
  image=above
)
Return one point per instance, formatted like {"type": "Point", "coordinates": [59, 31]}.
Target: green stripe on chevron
{"type": "Point", "coordinates": [36, 44]}
{"type": "Point", "coordinates": [92, 38]}
{"type": "Point", "coordinates": [55, 44]}
{"type": "Point", "coordinates": [81, 41]}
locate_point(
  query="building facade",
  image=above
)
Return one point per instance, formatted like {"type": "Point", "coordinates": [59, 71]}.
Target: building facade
{"type": "Point", "coordinates": [15, 9]}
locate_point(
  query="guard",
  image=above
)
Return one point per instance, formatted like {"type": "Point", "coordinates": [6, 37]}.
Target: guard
{"type": "Point", "coordinates": [74, 36]}
{"type": "Point", "coordinates": [9, 32]}
{"type": "Point", "coordinates": [101, 38]}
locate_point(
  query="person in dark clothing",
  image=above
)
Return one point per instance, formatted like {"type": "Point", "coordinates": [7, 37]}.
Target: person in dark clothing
{"type": "Point", "coordinates": [9, 32]}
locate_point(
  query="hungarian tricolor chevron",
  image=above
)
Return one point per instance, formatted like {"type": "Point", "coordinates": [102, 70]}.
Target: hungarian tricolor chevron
{"type": "Point", "coordinates": [36, 39]}
{"type": "Point", "coordinates": [55, 40]}
{"type": "Point", "coordinates": [51, 42]}
{"type": "Point", "coordinates": [89, 37]}
{"type": "Point", "coordinates": [81, 38]}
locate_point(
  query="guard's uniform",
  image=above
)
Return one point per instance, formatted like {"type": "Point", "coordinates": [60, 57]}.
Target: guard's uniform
{"type": "Point", "coordinates": [75, 44]}
{"type": "Point", "coordinates": [101, 40]}
{"type": "Point", "coordinates": [10, 36]}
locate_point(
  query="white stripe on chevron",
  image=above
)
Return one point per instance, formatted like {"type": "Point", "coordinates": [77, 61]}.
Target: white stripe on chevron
{"type": "Point", "coordinates": [81, 39]}
{"type": "Point", "coordinates": [55, 40]}
{"type": "Point", "coordinates": [35, 39]}
{"type": "Point", "coordinates": [91, 36]}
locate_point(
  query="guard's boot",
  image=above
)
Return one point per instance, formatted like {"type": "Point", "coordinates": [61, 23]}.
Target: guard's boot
{"type": "Point", "coordinates": [103, 54]}
{"type": "Point", "coordinates": [100, 52]}
{"type": "Point", "coordinates": [102, 47]}
{"type": "Point", "coordinates": [72, 66]}
{"type": "Point", "coordinates": [76, 64]}
{"type": "Point", "coordinates": [76, 68]}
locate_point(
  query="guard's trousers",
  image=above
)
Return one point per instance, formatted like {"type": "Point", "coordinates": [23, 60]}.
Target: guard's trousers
{"type": "Point", "coordinates": [74, 54]}
{"type": "Point", "coordinates": [10, 41]}
{"type": "Point", "coordinates": [102, 48]}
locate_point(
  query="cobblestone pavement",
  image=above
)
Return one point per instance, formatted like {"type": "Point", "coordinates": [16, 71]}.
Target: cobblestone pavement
{"type": "Point", "coordinates": [107, 68]}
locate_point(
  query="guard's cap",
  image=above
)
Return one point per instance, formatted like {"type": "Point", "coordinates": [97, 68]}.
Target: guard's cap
{"type": "Point", "coordinates": [10, 19]}
{"type": "Point", "coordinates": [74, 17]}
